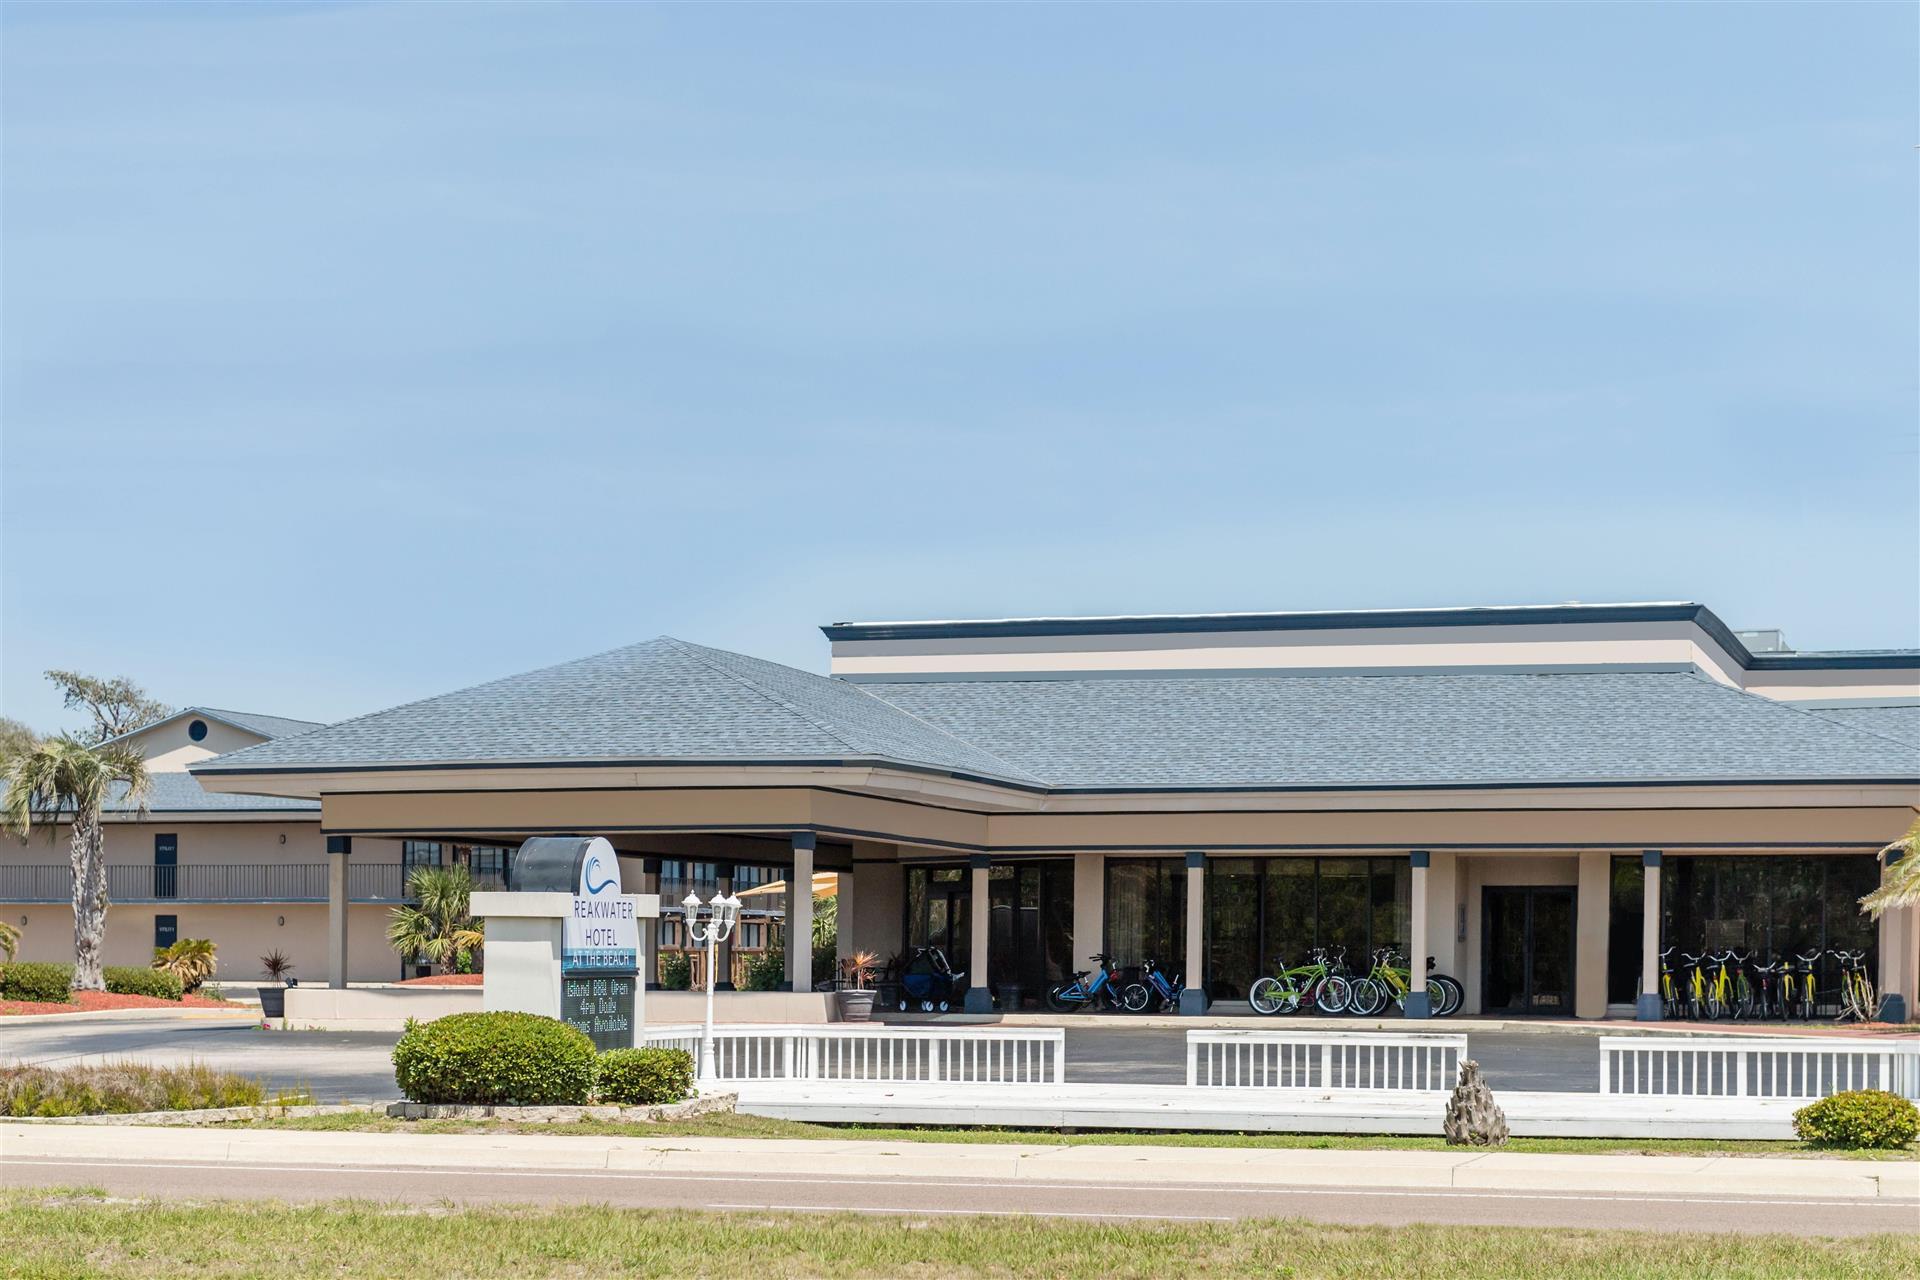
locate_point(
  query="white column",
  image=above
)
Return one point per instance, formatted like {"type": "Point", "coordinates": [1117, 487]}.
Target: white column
{"type": "Point", "coordinates": [843, 945]}
{"type": "Point", "coordinates": [1089, 908]}
{"type": "Point", "coordinates": [723, 960]}
{"type": "Point", "coordinates": [338, 850]}
{"type": "Point", "coordinates": [1417, 1006]}
{"type": "Point", "coordinates": [1898, 946]}
{"type": "Point", "coordinates": [1648, 1006]}
{"type": "Point", "coordinates": [1194, 998]}
{"type": "Point", "coordinates": [800, 913]}
{"type": "Point", "coordinates": [1592, 906]}
{"type": "Point", "coordinates": [979, 993]}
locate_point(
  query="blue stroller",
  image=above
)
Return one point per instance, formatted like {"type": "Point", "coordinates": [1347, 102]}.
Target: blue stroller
{"type": "Point", "coordinates": [929, 982]}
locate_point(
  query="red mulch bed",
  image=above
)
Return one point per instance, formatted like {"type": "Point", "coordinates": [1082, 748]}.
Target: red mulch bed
{"type": "Point", "coordinates": [89, 1001]}
{"type": "Point", "coordinates": [447, 980]}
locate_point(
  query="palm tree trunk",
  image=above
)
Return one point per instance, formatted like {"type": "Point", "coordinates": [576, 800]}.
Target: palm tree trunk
{"type": "Point", "coordinates": [87, 853]}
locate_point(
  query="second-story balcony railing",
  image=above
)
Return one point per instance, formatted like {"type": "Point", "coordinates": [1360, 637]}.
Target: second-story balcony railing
{"type": "Point", "coordinates": [216, 882]}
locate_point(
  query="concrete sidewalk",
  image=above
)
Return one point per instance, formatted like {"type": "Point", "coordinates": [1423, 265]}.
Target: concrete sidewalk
{"type": "Point", "coordinates": [1107, 1165]}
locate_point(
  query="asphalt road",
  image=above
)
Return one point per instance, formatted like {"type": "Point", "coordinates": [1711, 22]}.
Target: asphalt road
{"type": "Point", "coordinates": [923, 1197]}
{"type": "Point", "coordinates": [354, 1066]}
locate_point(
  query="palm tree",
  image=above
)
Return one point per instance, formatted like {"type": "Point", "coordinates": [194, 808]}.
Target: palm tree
{"type": "Point", "coordinates": [192, 960]}
{"type": "Point", "coordinates": [64, 780]}
{"type": "Point", "coordinates": [1901, 887]}
{"type": "Point", "coordinates": [439, 926]}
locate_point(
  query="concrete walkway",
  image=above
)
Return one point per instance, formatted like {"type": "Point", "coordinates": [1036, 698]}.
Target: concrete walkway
{"type": "Point", "coordinates": [1111, 1165]}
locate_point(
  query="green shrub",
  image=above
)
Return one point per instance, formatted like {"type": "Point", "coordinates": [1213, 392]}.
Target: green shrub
{"type": "Point", "coordinates": [128, 981]}
{"type": "Point", "coordinates": [645, 1077]}
{"type": "Point", "coordinates": [676, 971]}
{"type": "Point", "coordinates": [38, 980]}
{"type": "Point", "coordinates": [494, 1058]}
{"type": "Point", "coordinates": [767, 970]}
{"type": "Point", "coordinates": [1860, 1118]}
{"type": "Point", "coordinates": [120, 1088]}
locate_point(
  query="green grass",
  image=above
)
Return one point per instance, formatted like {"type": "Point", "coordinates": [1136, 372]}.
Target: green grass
{"type": "Point", "coordinates": [744, 1126]}
{"type": "Point", "coordinates": [55, 1234]}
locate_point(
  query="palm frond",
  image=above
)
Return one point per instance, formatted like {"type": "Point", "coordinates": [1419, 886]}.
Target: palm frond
{"type": "Point", "coordinates": [1901, 887]}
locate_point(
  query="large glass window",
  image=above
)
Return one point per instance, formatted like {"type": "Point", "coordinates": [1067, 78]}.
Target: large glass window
{"type": "Point", "coordinates": [1146, 916]}
{"type": "Point", "coordinates": [1261, 911]}
{"type": "Point", "coordinates": [1766, 906]}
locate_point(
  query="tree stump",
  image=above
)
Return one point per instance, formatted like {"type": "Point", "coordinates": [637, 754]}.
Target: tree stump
{"type": "Point", "coordinates": [1474, 1119]}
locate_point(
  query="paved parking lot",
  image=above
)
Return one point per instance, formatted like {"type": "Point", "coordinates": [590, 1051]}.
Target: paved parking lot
{"type": "Point", "coordinates": [354, 1065]}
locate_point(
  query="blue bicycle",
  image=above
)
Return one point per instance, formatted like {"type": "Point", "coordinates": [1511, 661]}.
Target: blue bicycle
{"type": "Point", "coordinates": [1155, 989]}
{"type": "Point", "coordinates": [1083, 993]}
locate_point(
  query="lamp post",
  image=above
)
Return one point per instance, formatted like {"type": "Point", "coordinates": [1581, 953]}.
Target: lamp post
{"type": "Point", "coordinates": [722, 912]}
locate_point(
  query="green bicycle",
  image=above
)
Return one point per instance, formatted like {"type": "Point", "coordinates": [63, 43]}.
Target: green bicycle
{"type": "Point", "coordinates": [1317, 983]}
{"type": "Point", "coordinates": [1386, 983]}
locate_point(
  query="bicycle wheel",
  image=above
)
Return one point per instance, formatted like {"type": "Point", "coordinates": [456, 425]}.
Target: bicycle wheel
{"type": "Point", "coordinates": [1057, 999]}
{"type": "Point", "coordinates": [1365, 998]}
{"type": "Point", "coordinates": [1742, 997]}
{"type": "Point", "coordinates": [1436, 998]}
{"type": "Point", "coordinates": [1134, 998]}
{"type": "Point", "coordinates": [1456, 994]}
{"type": "Point", "coordinates": [1270, 996]}
{"type": "Point", "coordinates": [1332, 994]}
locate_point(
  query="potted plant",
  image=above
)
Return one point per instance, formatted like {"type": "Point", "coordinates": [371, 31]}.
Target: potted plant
{"type": "Point", "coordinates": [273, 1000]}
{"type": "Point", "coordinates": [856, 993]}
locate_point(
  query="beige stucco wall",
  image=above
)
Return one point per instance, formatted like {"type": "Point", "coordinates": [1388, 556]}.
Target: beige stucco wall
{"type": "Point", "coordinates": [243, 932]}
{"type": "Point", "coordinates": [169, 749]}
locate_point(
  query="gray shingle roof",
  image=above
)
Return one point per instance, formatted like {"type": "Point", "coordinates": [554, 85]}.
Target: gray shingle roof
{"type": "Point", "coordinates": [1902, 724]}
{"type": "Point", "coordinates": [1396, 730]}
{"type": "Point", "coordinates": [265, 726]}
{"type": "Point", "coordinates": [179, 793]}
{"type": "Point", "coordinates": [668, 700]}
{"type": "Point", "coordinates": [663, 699]}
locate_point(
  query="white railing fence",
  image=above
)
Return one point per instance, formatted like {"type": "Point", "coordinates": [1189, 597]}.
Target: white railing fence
{"type": "Point", "coordinates": [1332, 1060]}
{"type": "Point", "coordinates": [1772, 1067]}
{"type": "Point", "coordinates": [956, 1055]}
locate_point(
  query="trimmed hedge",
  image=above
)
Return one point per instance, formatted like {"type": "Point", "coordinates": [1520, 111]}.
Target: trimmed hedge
{"type": "Point", "coordinates": [645, 1077]}
{"type": "Point", "coordinates": [1860, 1118]}
{"type": "Point", "coordinates": [124, 979]}
{"type": "Point", "coordinates": [37, 980]}
{"type": "Point", "coordinates": [495, 1058]}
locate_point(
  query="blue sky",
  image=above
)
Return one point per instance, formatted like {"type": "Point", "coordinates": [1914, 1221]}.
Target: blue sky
{"type": "Point", "coordinates": [354, 353]}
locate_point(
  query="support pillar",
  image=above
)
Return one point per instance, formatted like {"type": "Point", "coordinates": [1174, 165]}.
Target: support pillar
{"type": "Point", "coordinates": [1418, 1005]}
{"type": "Point", "coordinates": [1193, 999]}
{"type": "Point", "coordinates": [338, 850]}
{"type": "Point", "coordinates": [800, 914]}
{"type": "Point", "coordinates": [722, 978]}
{"type": "Point", "coordinates": [843, 945]}
{"type": "Point", "coordinates": [1592, 907]}
{"type": "Point", "coordinates": [979, 992]}
{"type": "Point", "coordinates": [1648, 1005]}
{"type": "Point", "coordinates": [1897, 945]}
{"type": "Point", "coordinates": [650, 929]}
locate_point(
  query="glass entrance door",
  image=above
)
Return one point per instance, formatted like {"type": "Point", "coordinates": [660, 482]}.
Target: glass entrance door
{"type": "Point", "coordinates": [1527, 951]}
{"type": "Point", "coordinates": [1030, 927]}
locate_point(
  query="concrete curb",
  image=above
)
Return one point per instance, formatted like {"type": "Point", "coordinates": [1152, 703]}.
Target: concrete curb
{"type": "Point", "coordinates": [208, 1115]}
{"type": "Point", "coordinates": [712, 1104]}
{"type": "Point", "coordinates": [132, 1015]}
{"type": "Point", "coordinates": [1113, 1165]}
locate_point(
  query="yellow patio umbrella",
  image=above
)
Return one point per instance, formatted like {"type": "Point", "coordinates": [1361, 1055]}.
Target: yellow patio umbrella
{"type": "Point", "coordinates": [825, 885]}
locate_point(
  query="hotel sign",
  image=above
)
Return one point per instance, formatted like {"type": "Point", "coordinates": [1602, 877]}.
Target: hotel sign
{"type": "Point", "coordinates": [603, 930]}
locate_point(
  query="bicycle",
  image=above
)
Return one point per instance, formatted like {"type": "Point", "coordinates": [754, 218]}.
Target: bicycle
{"type": "Point", "coordinates": [1776, 978]}
{"type": "Point", "coordinates": [1138, 995]}
{"type": "Point", "coordinates": [1084, 994]}
{"type": "Point", "coordinates": [1800, 990]}
{"type": "Point", "coordinates": [1384, 982]}
{"type": "Point", "coordinates": [1697, 987]}
{"type": "Point", "coordinates": [1286, 991]}
{"type": "Point", "coordinates": [1672, 1007]}
{"type": "Point", "coordinates": [1455, 993]}
{"type": "Point", "coordinates": [1858, 1003]}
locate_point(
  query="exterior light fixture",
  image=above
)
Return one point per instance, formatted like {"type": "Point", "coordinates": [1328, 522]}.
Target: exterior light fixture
{"type": "Point", "coordinates": [722, 913]}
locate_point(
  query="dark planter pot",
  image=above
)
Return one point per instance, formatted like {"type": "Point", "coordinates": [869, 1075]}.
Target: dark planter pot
{"type": "Point", "coordinates": [855, 1006]}
{"type": "Point", "coordinates": [273, 1002]}
{"type": "Point", "coordinates": [1010, 994]}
